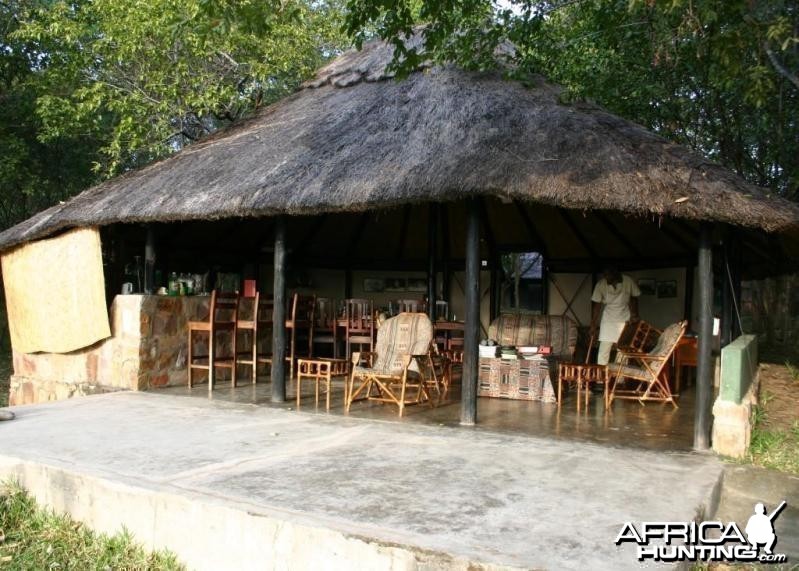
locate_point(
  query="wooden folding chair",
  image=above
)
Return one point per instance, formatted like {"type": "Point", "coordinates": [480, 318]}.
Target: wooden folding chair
{"type": "Point", "coordinates": [646, 372]}
{"type": "Point", "coordinates": [398, 372]}
{"type": "Point", "coordinates": [222, 316]}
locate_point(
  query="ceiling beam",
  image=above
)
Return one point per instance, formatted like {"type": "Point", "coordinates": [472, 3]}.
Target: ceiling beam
{"type": "Point", "coordinates": [308, 239]}
{"type": "Point", "coordinates": [357, 234]}
{"type": "Point", "coordinates": [577, 233]}
{"type": "Point", "coordinates": [617, 233]}
{"type": "Point", "coordinates": [532, 232]}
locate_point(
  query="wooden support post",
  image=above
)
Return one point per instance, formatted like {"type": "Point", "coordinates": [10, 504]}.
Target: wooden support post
{"type": "Point", "coordinates": [279, 315]}
{"type": "Point", "coordinates": [432, 252]}
{"type": "Point", "coordinates": [494, 288]}
{"type": "Point", "coordinates": [735, 270]}
{"type": "Point", "coordinates": [704, 369]}
{"type": "Point", "coordinates": [149, 261]}
{"type": "Point", "coordinates": [471, 334]}
{"type": "Point", "coordinates": [446, 276]}
{"type": "Point", "coordinates": [688, 303]}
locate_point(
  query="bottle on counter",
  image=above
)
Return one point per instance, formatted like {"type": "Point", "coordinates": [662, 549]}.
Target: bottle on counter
{"type": "Point", "coordinates": [174, 284]}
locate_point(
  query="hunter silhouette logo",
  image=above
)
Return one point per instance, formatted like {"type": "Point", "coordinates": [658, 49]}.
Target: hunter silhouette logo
{"type": "Point", "coordinates": [708, 541]}
{"type": "Point", "coordinates": [760, 527]}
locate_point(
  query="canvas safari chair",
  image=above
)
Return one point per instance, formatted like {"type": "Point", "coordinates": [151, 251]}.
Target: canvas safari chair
{"type": "Point", "coordinates": [399, 371]}
{"type": "Point", "coordinates": [645, 372]}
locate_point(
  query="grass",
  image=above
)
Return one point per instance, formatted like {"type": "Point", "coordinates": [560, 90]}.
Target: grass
{"type": "Point", "coordinates": [35, 538]}
{"type": "Point", "coordinates": [774, 448]}
{"type": "Point", "coordinates": [5, 374]}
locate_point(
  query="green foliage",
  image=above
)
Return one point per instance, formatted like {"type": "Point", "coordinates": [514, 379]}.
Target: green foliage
{"type": "Point", "coordinates": [155, 75]}
{"type": "Point", "coordinates": [33, 538]}
{"type": "Point", "coordinates": [33, 174]}
{"type": "Point", "coordinates": [721, 77]}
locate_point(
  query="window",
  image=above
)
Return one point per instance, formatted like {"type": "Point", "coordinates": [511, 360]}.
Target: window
{"type": "Point", "coordinates": [522, 281]}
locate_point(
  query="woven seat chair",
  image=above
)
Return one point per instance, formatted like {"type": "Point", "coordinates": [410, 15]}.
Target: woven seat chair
{"type": "Point", "coordinates": [401, 370]}
{"type": "Point", "coordinates": [646, 371]}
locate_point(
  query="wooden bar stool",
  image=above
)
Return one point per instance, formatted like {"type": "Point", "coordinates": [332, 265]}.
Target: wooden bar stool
{"type": "Point", "coordinates": [250, 357]}
{"type": "Point", "coordinates": [222, 316]}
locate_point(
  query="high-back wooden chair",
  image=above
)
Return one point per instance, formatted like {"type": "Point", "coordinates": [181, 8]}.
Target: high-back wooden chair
{"type": "Point", "coordinates": [409, 306]}
{"type": "Point", "coordinates": [263, 334]}
{"type": "Point", "coordinates": [249, 309]}
{"type": "Point", "coordinates": [401, 366]}
{"type": "Point", "coordinates": [222, 317]}
{"type": "Point", "coordinates": [646, 372]}
{"type": "Point", "coordinates": [325, 324]}
{"type": "Point", "coordinates": [300, 329]}
{"type": "Point", "coordinates": [359, 324]}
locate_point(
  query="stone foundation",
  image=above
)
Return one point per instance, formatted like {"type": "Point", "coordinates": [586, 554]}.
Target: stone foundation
{"type": "Point", "coordinates": [732, 424]}
{"type": "Point", "coordinates": [147, 349]}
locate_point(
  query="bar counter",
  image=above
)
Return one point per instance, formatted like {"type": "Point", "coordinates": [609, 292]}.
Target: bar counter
{"type": "Point", "coordinates": [147, 349]}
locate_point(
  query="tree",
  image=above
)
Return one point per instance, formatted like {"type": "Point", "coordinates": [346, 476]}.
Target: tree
{"type": "Point", "coordinates": [33, 174]}
{"type": "Point", "coordinates": [155, 75]}
{"type": "Point", "coordinates": [719, 76]}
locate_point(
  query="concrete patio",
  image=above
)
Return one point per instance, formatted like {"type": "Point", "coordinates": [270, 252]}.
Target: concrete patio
{"type": "Point", "coordinates": [228, 485]}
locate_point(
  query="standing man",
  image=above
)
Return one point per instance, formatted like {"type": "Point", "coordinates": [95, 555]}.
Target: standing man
{"type": "Point", "coordinates": [616, 299]}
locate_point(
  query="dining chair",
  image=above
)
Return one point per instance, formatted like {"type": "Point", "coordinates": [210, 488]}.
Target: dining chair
{"type": "Point", "coordinates": [409, 306]}
{"type": "Point", "coordinates": [325, 330]}
{"type": "Point", "coordinates": [222, 317]}
{"type": "Point", "coordinates": [359, 326]}
{"type": "Point", "coordinates": [300, 329]}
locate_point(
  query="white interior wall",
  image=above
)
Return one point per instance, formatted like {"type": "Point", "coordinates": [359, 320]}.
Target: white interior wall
{"type": "Point", "coordinates": [658, 311]}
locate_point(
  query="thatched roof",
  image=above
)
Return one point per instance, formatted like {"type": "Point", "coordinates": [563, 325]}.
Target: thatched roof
{"type": "Point", "coordinates": [353, 139]}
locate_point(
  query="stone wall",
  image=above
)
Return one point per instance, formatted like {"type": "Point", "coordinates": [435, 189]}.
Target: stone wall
{"type": "Point", "coordinates": [147, 349]}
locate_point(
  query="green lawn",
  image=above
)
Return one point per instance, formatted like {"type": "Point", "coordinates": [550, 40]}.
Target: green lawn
{"type": "Point", "coordinates": [34, 538]}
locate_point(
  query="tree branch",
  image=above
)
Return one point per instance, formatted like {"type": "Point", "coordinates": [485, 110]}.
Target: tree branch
{"type": "Point", "coordinates": [781, 69]}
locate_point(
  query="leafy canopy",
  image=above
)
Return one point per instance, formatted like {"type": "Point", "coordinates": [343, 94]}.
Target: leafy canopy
{"type": "Point", "coordinates": [154, 75]}
{"type": "Point", "coordinates": [721, 76]}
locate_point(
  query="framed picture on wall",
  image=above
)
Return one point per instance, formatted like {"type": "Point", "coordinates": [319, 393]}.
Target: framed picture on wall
{"type": "Point", "coordinates": [373, 285]}
{"type": "Point", "coordinates": [647, 286]}
{"type": "Point", "coordinates": [394, 284]}
{"type": "Point", "coordinates": [417, 284]}
{"type": "Point", "coordinates": [667, 289]}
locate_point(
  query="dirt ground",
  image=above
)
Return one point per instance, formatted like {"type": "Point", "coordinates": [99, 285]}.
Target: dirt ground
{"type": "Point", "coordinates": [779, 390]}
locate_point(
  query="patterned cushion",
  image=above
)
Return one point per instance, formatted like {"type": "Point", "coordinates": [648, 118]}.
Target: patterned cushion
{"type": "Point", "coordinates": [405, 334]}
{"type": "Point", "coordinates": [667, 340]}
{"type": "Point", "coordinates": [556, 331]}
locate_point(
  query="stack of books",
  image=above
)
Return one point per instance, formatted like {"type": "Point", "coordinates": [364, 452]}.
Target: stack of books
{"type": "Point", "coordinates": [508, 353]}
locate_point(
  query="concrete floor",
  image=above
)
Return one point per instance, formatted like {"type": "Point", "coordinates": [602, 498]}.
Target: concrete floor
{"type": "Point", "coordinates": [228, 485]}
{"type": "Point", "coordinates": [652, 427]}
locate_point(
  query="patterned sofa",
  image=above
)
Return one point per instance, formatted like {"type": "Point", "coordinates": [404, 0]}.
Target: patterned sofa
{"type": "Point", "coordinates": [556, 331]}
{"type": "Point", "coordinates": [528, 379]}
